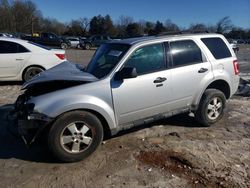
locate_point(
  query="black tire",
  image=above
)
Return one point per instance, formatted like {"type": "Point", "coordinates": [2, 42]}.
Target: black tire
{"type": "Point", "coordinates": [31, 72]}
{"type": "Point", "coordinates": [78, 46]}
{"type": "Point", "coordinates": [87, 46]}
{"type": "Point", "coordinates": [57, 133]}
{"type": "Point", "coordinates": [64, 46]}
{"type": "Point", "coordinates": [206, 110]}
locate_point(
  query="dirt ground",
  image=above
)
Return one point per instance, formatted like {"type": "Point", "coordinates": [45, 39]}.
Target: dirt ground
{"type": "Point", "coordinates": [175, 152]}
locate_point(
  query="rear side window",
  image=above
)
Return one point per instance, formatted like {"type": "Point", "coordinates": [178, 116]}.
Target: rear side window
{"type": "Point", "coordinates": [217, 47]}
{"type": "Point", "coordinates": [11, 47]}
{"type": "Point", "coordinates": [147, 59]}
{"type": "Point", "coordinates": [185, 52]}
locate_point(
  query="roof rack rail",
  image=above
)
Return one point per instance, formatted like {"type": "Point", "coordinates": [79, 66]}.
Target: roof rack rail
{"type": "Point", "coordinates": [182, 32]}
{"type": "Point", "coordinates": [196, 31]}
{"type": "Point", "coordinates": [169, 33]}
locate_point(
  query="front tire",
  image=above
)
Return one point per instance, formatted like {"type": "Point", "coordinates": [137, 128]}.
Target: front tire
{"type": "Point", "coordinates": [75, 135]}
{"type": "Point", "coordinates": [211, 107]}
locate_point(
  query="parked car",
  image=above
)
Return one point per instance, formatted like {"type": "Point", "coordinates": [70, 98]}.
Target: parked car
{"type": "Point", "coordinates": [5, 35]}
{"type": "Point", "coordinates": [95, 41]}
{"type": "Point", "coordinates": [21, 60]}
{"type": "Point", "coordinates": [247, 41]}
{"type": "Point", "coordinates": [235, 47]}
{"type": "Point", "coordinates": [74, 42]}
{"type": "Point", "coordinates": [240, 41]}
{"type": "Point", "coordinates": [49, 39]}
{"type": "Point", "coordinates": [128, 83]}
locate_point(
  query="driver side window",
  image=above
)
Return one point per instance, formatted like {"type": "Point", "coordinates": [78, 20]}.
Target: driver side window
{"type": "Point", "coordinates": [147, 59]}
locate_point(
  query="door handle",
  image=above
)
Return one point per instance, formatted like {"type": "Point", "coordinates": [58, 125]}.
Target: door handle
{"type": "Point", "coordinates": [19, 59]}
{"type": "Point", "coordinates": [202, 70]}
{"type": "Point", "coordinates": [160, 80]}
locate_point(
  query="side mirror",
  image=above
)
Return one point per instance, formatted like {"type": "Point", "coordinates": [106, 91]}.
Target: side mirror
{"type": "Point", "coordinates": [126, 72]}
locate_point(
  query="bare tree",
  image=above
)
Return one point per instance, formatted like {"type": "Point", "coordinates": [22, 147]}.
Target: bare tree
{"type": "Point", "coordinates": [198, 27]}
{"type": "Point", "coordinates": [52, 25]}
{"type": "Point", "coordinates": [224, 25]}
{"type": "Point", "coordinates": [170, 26]}
{"type": "Point", "coordinates": [124, 21]}
{"type": "Point", "coordinates": [84, 23]}
{"type": "Point", "coordinates": [5, 16]}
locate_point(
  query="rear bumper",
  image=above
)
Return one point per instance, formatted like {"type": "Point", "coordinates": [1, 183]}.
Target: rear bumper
{"type": "Point", "coordinates": [235, 87]}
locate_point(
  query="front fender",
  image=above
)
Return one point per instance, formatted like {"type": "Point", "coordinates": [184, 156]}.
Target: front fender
{"type": "Point", "coordinates": [53, 107]}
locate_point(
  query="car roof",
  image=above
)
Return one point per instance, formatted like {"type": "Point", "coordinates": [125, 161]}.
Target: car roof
{"type": "Point", "coordinates": [133, 41]}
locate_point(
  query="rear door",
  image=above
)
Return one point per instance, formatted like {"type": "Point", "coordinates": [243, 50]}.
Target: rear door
{"type": "Point", "coordinates": [190, 71]}
{"type": "Point", "coordinates": [13, 56]}
{"type": "Point", "coordinates": [149, 93]}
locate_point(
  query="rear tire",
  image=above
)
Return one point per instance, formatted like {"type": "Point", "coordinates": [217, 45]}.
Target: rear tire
{"type": "Point", "coordinates": [64, 46]}
{"type": "Point", "coordinates": [75, 135]}
{"type": "Point", "coordinates": [211, 107]}
{"type": "Point", "coordinates": [87, 46]}
{"type": "Point", "coordinates": [31, 72]}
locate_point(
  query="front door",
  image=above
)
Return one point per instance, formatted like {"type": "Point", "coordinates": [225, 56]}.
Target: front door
{"type": "Point", "coordinates": [148, 94]}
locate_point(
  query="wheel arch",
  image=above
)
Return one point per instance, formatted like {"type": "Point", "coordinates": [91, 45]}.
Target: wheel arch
{"type": "Point", "coordinates": [220, 84]}
{"type": "Point", "coordinates": [103, 120]}
{"type": "Point", "coordinates": [34, 65]}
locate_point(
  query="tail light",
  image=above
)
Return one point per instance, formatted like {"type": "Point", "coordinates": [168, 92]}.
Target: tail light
{"type": "Point", "coordinates": [61, 56]}
{"type": "Point", "coordinates": [236, 67]}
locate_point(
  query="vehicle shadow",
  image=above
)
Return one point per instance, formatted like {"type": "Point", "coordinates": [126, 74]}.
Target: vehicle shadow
{"type": "Point", "coordinates": [181, 120]}
{"type": "Point", "coordinates": [12, 146]}
{"type": "Point", "coordinates": [2, 83]}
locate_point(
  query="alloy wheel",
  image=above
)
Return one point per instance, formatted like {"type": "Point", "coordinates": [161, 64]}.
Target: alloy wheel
{"type": "Point", "coordinates": [76, 137]}
{"type": "Point", "coordinates": [214, 108]}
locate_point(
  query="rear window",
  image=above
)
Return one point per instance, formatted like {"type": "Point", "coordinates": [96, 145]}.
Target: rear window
{"type": "Point", "coordinates": [217, 47]}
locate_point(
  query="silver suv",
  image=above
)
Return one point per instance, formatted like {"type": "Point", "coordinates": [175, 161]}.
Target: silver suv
{"type": "Point", "coordinates": [127, 83]}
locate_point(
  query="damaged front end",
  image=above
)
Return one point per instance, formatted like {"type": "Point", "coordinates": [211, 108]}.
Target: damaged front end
{"type": "Point", "coordinates": [28, 122]}
{"type": "Point", "coordinates": [25, 122]}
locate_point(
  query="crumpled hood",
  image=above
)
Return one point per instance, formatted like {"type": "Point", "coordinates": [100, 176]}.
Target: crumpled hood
{"type": "Point", "coordinates": [65, 71]}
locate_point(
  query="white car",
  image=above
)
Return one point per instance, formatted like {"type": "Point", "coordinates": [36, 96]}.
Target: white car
{"type": "Point", "coordinates": [3, 35]}
{"type": "Point", "coordinates": [21, 60]}
{"type": "Point", "coordinates": [75, 42]}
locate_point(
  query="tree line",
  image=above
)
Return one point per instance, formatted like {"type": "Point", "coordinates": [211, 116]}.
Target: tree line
{"type": "Point", "coordinates": [24, 17]}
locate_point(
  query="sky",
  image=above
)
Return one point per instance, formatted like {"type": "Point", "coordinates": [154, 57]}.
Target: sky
{"type": "Point", "coordinates": [181, 12]}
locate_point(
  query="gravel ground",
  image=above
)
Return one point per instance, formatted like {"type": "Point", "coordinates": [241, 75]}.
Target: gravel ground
{"type": "Point", "coordinates": [175, 152]}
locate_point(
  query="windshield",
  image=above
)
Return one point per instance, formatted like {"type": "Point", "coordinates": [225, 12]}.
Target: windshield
{"type": "Point", "coordinates": [106, 58]}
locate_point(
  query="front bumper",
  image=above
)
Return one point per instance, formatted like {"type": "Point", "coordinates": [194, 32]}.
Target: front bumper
{"type": "Point", "coordinates": [25, 123]}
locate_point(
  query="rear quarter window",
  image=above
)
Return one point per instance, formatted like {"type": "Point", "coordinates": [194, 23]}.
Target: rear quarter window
{"type": "Point", "coordinates": [217, 47]}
